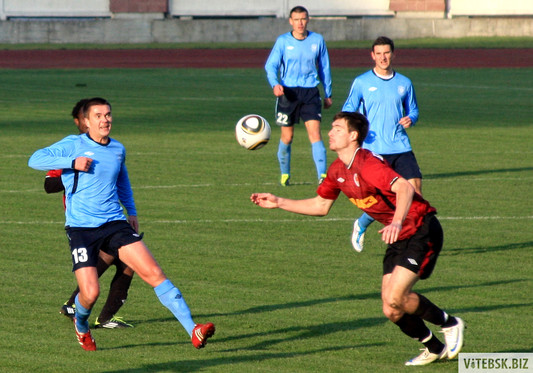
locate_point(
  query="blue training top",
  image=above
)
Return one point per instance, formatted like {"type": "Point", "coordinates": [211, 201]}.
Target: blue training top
{"type": "Point", "coordinates": [300, 63]}
{"type": "Point", "coordinates": [384, 102]}
{"type": "Point", "coordinates": [94, 197]}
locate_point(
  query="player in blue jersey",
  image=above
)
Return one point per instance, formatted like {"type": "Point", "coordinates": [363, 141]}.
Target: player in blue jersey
{"type": "Point", "coordinates": [97, 189]}
{"type": "Point", "coordinates": [388, 100]}
{"type": "Point", "coordinates": [297, 64]}
{"type": "Point", "coordinates": [118, 290]}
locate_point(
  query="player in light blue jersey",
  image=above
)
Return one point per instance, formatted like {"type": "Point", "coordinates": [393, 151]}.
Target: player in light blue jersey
{"type": "Point", "coordinates": [297, 64]}
{"type": "Point", "coordinates": [97, 188]}
{"type": "Point", "coordinates": [388, 100]}
{"type": "Point", "coordinates": [118, 291]}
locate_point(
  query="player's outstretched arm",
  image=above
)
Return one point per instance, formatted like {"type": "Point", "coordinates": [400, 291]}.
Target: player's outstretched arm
{"type": "Point", "coordinates": [316, 206]}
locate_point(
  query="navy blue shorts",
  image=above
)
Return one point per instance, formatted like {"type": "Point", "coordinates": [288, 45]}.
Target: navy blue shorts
{"type": "Point", "coordinates": [420, 252]}
{"type": "Point", "coordinates": [405, 164]}
{"type": "Point", "coordinates": [298, 103]}
{"type": "Point", "coordinates": [86, 243]}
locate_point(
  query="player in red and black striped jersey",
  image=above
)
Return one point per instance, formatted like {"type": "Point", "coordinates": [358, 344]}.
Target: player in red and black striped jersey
{"type": "Point", "coordinates": [118, 290]}
{"type": "Point", "coordinates": [411, 231]}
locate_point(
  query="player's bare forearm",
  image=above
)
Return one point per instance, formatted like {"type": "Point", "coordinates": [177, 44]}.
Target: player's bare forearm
{"type": "Point", "coordinates": [316, 206]}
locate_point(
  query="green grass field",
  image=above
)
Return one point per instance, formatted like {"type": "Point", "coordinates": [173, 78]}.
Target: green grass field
{"type": "Point", "coordinates": [287, 293]}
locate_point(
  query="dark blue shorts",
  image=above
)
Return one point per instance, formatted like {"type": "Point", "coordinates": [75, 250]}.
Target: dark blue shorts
{"type": "Point", "coordinates": [298, 103]}
{"type": "Point", "coordinates": [86, 243]}
{"type": "Point", "coordinates": [405, 164]}
{"type": "Point", "coordinates": [420, 252]}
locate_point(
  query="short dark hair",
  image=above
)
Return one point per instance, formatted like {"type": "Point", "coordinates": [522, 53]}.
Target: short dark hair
{"type": "Point", "coordinates": [383, 40]}
{"type": "Point", "coordinates": [298, 9]}
{"type": "Point", "coordinates": [93, 102]}
{"type": "Point", "coordinates": [356, 122]}
{"type": "Point", "coordinates": [78, 108]}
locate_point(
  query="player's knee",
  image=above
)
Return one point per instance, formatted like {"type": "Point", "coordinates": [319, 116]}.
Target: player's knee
{"type": "Point", "coordinates": [153, 275]}
{"type": "Point", "coordinates": [392, 313]}
{"type": "Point", "coordinates": [393, 303]}
{"type": "Point", "coordinates": [90, 295]}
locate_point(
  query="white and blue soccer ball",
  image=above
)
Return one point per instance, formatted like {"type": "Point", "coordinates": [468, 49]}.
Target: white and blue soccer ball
{"type": "Point", "coordinates": [252, 132]}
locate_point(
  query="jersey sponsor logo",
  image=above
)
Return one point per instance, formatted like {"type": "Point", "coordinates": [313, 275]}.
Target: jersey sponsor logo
{"type": "Point", "coordinates": [88, 154]}
{"type": "Point", "coordinates": [364, 203]}
{"type": "Point", "coordinates": [372, 89]}
{"type": "Point", "coordinates": [290, 47]}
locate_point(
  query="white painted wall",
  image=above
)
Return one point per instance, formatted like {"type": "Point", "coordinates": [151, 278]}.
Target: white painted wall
{"type": "Point", "coordinates": [278, 8]}
{"type": "Point", "coordinates": [54, 8]}
{"type": "Point", "coordinates": [490, 7]}
{"type": "Point", "coordinates": [255, 8]}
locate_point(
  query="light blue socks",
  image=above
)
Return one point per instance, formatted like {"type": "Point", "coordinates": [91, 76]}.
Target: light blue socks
{"type": "Point", "coordinates": [82, 317]}
{"type": "Point", "coordinates": [319, 156]}
{"type": "Point", "coordinates": [364, 221]}
{"type": "Point", "coordinates": [284, 157]}
{"type": "Point", "coordinates": [172, 299]}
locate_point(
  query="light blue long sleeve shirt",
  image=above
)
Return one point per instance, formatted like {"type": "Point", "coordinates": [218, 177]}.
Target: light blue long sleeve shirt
{"type": "Point", "coordinates": [299, 63]}
{"type": "Point", "coordinates": [92, 198]}
{"type": "Point", "coordinates": [384, 102]}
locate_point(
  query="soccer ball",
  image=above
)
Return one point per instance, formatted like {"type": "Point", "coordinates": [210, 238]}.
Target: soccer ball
{"type": "Point", "coordinates": [252, 131]}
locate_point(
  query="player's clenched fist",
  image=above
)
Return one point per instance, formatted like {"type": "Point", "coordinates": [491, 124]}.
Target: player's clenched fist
{"type": "Point", "coordinates": [82, 164]}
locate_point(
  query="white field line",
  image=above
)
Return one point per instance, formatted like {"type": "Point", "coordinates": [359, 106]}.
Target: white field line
{"type": "Point", "coordinates": [460, 179]}
{"type": "Point", "coordinates": [302, 220]}
{"type": "Point", "coordinates": [476, 87]}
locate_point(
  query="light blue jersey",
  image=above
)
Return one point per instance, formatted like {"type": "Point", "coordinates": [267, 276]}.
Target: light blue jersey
{"type": "Point", "coordinates": [300, 63]}
{"type": "Point", "coordinates": [94, 197]}
{"type": "Point", "coordinates": [384, 102]}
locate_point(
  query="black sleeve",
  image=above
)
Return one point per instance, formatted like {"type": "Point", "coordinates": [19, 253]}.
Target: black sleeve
{"type": "Point", "coordinates": [53, 185]}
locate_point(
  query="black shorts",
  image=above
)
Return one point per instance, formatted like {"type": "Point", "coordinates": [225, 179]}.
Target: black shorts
{"type": "Point", "coordinates": [298, 103]}
{"type": "Point", "coordinates": [420, 252]}
{"type": "Point", "coordinates": [86, 243]}
{"type": "Point", "coordinates": [405, 164]}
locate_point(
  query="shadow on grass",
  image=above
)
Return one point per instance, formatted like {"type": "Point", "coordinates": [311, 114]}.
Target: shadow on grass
{"type": "Point", "coordinates": [273, 307]}
{"type": "Point", "coordinates": [299, 333]}
{"type": "Point", "coordinates": [476, 172]}
{"type": "Point", "coordinates": [200, 365]}
{"type": "Point", "coordinates": [478, 250]}
{"type": "Point", "coordinates": [265, 340]}
{"type": "Point", "coordinates": [314, 302]}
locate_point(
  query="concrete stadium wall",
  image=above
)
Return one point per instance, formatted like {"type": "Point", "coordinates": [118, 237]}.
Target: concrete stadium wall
{"type": "Point", "coordinates": [172, 30]}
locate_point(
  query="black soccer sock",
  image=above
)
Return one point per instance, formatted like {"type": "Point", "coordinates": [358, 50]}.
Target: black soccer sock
{"type": "Point", "coordinates": [118, 293]}
{"type": "Point", "coordinates": [414, 327]}
{"type": "Point", "coordinates": [429, 312]}
{"type": "Point", "coordinates": [72, 298]}
{"type": "Point", "coordinates": [433, 344]}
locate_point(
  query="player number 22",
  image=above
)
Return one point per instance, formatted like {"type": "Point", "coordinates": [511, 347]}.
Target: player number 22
{"type": "Point", "coordinates": [79, 255]}
{"type": "Point", "coordinates": [283, 119]}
